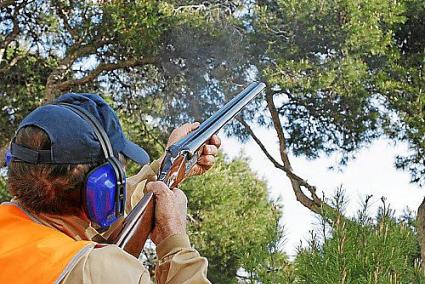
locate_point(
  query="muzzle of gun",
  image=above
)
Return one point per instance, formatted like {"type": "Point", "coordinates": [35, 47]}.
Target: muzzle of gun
{"type": "Point", "coordinates": [133, 231]}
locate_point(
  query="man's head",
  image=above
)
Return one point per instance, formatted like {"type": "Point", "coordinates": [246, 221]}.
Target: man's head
{"type": "Point", "coordinates": [46, 188]}
{"type": "Point", "coordinates": [55, 148]}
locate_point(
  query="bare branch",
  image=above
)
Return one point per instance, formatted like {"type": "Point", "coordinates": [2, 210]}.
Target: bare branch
{"type": "Point", "coordinates": [12, 63]}
{"type": "Point", "coordinates": [279, 130]}
{"type": "Point", "coordinates": [314, 203]}
{"type": "Point", "coordinates": [260, 144]}
{"type": "Point", "coordinates": [64, 86]}
{"type": "Point", "coordinates": [296, 180]}
{"type": "Point", "coordinates": [76, 51]}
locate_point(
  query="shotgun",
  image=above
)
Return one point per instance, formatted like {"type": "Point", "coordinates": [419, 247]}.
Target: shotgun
{"type": "Point", "coordinates": [133, 231]}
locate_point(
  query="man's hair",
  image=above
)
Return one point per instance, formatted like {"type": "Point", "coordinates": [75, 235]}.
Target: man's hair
{"type": "Point", "coordinates": [46, 188]}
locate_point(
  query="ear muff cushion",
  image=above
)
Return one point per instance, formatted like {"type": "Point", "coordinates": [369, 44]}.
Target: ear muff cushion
{"type": "Point", "coordinates": [100, 195]}
{"type": "Point", "coordinates": [8, 157]}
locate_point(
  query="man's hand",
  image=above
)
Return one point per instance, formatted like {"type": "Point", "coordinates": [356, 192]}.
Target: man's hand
{"type": "Point", "coordinates": [208, 152]}
{"type": "Point", "coordinates": [170, 211]}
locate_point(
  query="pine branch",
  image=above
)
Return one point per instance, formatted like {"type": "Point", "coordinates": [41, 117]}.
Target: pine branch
{"type": "Point", "coordinates": [103, 67]}
{"type": "Point", "coordinates": [312, 202]}
{"type": "Point", "coordinates": [260, 144]}
{"type": "Point", "coordinates": [76, 51]}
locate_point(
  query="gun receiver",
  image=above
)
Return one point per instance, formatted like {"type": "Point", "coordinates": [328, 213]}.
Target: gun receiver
{"type": "Point", "coordinates": [133, 232]}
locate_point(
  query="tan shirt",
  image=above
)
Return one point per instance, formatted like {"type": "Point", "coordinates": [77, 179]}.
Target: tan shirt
{"type": "Point", "coordinates": [178, 262]}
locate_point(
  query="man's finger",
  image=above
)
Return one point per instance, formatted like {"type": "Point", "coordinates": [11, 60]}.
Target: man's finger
{"type": "Point", "coordinates": [189, 127]}
{"type": "Point", "coordinates": [210, 150]}
{"type": "Point", "coordinates": [179, 194]}
{"type": "Point", "coordinates": [157, 188]}
{"type": "Point", "coordinates": [215, 140]}
{"type": "Point", "coordinates": [206, 160]}
{"type": "Point", "coordinates": [195, 125]}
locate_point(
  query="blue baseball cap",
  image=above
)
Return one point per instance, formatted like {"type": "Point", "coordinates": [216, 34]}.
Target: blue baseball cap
{"type": "Point", "coordinates": [73, 140]}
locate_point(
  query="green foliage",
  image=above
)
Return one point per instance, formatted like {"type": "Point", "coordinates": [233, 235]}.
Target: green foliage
{"type": "Point", "coordinates": [403, 85]}
{"type": "Point", "coordinates": [323, 66]}
{"type": "Point", "coordinates": [136, 26]}
{"type": "Point", "coordinates": [20, 92]}
{"type": "Point", "coordinates": [362, 250]}
{"type": "Point", "coordinates": [342, 69]}
{"type": "Point", "coordinates": [234, 225]}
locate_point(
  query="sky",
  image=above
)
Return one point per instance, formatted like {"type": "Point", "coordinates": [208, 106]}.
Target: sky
{"type": "Point", "coordinates": [372, 172]}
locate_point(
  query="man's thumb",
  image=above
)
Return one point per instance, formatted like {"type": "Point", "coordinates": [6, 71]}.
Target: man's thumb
{"type": "Point", "coordinates": [189, 127]}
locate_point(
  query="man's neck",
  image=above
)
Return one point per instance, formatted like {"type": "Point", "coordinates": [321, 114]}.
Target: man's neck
{"type": "Point", "coordinates": [76, 227]}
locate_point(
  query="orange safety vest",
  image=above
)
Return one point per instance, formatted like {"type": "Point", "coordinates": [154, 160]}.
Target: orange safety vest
{"type": "Point", "coordinates": [33, 253]}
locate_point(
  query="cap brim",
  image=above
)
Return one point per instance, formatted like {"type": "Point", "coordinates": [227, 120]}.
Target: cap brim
{"type": "Point", "coordinates": [135, 153]}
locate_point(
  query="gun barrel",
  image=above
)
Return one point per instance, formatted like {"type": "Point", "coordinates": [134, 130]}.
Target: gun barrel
{"type": "Point", "coordinates": [220, 118]}
{"type": "Point", "coordinates": [136, 227]}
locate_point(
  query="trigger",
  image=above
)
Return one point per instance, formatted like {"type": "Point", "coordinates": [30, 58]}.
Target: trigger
{"type": "Point", "coordinates": [192, 162]}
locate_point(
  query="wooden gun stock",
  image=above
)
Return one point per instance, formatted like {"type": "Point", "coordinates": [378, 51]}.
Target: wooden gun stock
{"type": "Point", "coordinates": [132, 233]}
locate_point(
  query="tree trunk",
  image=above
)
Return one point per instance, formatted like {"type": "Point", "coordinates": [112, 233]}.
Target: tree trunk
{"type": "Point", "coordinates": [420, 227]}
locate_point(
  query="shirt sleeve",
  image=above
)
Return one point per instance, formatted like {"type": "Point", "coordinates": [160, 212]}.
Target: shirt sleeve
{"type": "Point", "coordinates": [178, 264]}
{"type": "Point", "coordinates": [108, 265]}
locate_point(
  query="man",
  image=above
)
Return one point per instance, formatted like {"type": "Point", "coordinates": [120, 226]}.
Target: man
{"type": "Point", "coordinates": [49, 231]}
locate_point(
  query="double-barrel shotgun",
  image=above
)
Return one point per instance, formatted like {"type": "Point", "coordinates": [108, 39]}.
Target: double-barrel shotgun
{"type": "Point", "coordinates": [134, 230]}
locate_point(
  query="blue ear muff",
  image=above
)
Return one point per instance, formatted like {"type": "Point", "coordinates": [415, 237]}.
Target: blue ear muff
{"type": "Point", "coordinates": [104, 193]}
{"type": "Point", "coordinates": [8, 157]}
{"type": "Point", "coordinates": [102, 197]}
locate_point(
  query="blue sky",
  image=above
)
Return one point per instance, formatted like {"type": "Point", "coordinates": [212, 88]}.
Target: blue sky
{"type": "Point", "coordinates": [372, 172]}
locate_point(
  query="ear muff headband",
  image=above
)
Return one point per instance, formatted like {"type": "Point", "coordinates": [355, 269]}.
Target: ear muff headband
{"type": "Point", "coordinates": [100, 133]}
{"type": "Point", "coordinates": [109, 156]}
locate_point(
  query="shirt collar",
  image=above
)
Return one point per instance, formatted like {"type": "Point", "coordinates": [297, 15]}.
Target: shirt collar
{"type": "Point", "coordinates": [73, 226]}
